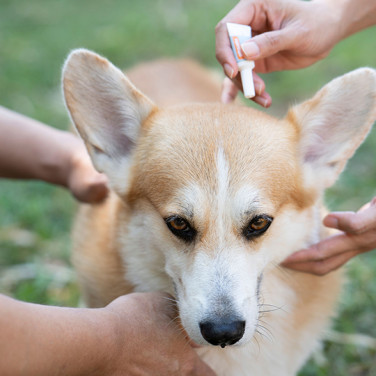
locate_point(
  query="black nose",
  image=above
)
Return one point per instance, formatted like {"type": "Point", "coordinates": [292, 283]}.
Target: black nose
{"type": "Point", "coordinates": [222, 332]}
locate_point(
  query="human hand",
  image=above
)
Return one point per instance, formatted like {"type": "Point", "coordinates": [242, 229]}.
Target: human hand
{"type": "Point", "coordinates": [136, 334]}
{"type": "Point", "coordinates": [33, 150]}
{"type": "Point", "coordinates": [149, 340]}
{"type": "Point", "coordinates": [358, 236]}
{"type": "Point", "coordinates": [287, 34]}
{"type": "Point", "coordinates": [85, 183]}
{"type": "Point", "coordinates": [230, 90]}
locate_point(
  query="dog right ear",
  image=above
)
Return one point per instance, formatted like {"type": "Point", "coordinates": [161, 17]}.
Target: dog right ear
{"type": "Point", "coordinates": [333, 124]}
{"type": "Point", "coordinates": [106, 109]}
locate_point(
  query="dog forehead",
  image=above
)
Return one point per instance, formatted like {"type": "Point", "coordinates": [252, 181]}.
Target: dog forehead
{"type": "Point", "coordinates": [194, 133]}
{"type": "Point", "coordinates": [196, 197]}
{"type": "Point", "coordinates": [189, 145]}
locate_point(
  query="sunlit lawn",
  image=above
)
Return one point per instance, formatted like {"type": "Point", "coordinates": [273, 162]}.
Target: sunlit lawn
{"type": "Point", "coordinates": [36, 36]}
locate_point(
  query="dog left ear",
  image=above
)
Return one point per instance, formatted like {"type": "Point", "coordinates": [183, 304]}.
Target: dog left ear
{"type": "Point", "coordinates": [106, 109]}
{"type": "Point", "coordinates": [334, 123]}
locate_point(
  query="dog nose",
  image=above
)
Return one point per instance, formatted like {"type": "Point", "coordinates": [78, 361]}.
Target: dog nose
{"type": "Point", "coordinates": [222, 332]}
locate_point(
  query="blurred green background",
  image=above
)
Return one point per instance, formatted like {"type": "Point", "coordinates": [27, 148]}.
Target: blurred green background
{"type": "Point", "coordinates": [35, 38]}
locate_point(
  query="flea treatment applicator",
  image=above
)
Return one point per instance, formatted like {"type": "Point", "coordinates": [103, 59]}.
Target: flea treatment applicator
{"type": "Point", "coordinates": [239, 34]}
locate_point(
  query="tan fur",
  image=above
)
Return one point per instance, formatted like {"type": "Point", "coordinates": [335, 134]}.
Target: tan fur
{"type": "Point", "coordinates": [157, 78]}
{"type": "Point", "coordinates": [177, 148]}
{"type": "Point", "coordinates": [101, 269]}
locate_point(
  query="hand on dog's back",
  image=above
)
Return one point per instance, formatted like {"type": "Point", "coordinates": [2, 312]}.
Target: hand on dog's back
{"type": "Point", "coordinates": [149, 340]}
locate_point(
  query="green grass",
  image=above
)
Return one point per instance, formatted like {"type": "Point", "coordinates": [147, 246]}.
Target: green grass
{"type": "Point", "coordinates": [35, 38]}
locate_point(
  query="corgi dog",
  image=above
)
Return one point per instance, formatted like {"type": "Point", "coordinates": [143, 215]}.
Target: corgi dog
{"type": "Point", "coordinates": [208, 199]}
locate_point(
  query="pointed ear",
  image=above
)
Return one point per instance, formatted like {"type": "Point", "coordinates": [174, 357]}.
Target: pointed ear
{"type": "Point", "coordinates": [106, 109]}
{"type": "Point", "coordinates": [334, 123]}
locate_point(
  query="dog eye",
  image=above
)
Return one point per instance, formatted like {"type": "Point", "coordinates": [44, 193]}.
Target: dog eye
{"type": "Point", "coordinates": [180, 228]}
{"type": "Point", "coordinates": [178, 224]}
{"type": "Point", "coordinates": [257, 226]}
{"type": "Point", "coordinates": [259, 223]}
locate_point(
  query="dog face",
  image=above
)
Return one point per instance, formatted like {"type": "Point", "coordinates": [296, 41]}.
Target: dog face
{"type": "Point", "coordinates": [220, 193]}
{"type": "Point", "coordinates": [215, 211]}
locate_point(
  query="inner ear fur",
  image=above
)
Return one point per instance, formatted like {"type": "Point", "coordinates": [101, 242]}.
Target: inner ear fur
{"type": "Point", "coordinates": [105, 107]}
{"type": "Point", "coordinates": [334, 123]}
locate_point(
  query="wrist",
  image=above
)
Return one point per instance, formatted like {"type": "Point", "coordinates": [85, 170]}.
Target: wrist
{"type": "Point", "coordinates": [351, 16]}
{"type": "Point", "coordinates": [336, 22]}
{"type": "Point", "coordinates": [53, 156]}
{"type": "Point", "coordinates": [58, 166]}
{"type": "Point", "coordinates": [123, 323]}
{"type": "Point", "coordinates": [108, 342]}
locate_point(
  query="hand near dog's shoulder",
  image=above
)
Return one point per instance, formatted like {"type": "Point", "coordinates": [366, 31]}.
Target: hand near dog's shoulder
{"type": "Point", "coordinates": [358, 236]}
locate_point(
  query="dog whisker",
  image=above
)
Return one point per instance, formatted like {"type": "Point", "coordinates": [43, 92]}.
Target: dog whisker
{"type": "Point", "coordinates": [274, 308]}
{"type": "Point", "coordinates": [257, 342]}
{"type": "Point", "coordinates": [268, 334]}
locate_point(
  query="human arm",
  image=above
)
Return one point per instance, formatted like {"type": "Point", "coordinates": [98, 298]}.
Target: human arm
{"type": "Point", "coordinates": [291, 34]}
{"type": "Point", "coordinates": [32, 150]}
{"type": "Point", "coordinates": [134, 335]}
{"type": "Point", "coordinates": [358, 236]}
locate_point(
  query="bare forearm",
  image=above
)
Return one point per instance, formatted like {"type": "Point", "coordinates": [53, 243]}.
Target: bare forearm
{"type": "Point", "coordinates": [354, 15]}
{"type": "Point", "coordinates": [41, 340]}
{"type": "Point", "coordinates": [41, 153]}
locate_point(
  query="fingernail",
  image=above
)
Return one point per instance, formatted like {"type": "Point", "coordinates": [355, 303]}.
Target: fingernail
{"type": "Point", "coordinates": [331, 222]}
{"type": "Point", "coordinates": [263, 102]}
{"type": "Point", "coordinates": [286, 261]}
{"type": "Point", "coordinates": [228, 70]}
{"type": "Point", "coordinates": [289, 259]}
{"type": "Point", "coordinates": [225, 98]}
{"type": "Point", "coordinates": [258, 88]}
{"type": "Point", "coordinates": [251, 49]}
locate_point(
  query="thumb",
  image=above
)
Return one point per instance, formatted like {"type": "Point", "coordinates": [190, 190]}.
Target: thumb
{"type": "Point", "coordinates": [267, 44]}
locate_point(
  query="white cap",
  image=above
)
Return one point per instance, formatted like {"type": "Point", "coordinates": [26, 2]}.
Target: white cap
{"type": "Point", "coordinates": [247, 82]}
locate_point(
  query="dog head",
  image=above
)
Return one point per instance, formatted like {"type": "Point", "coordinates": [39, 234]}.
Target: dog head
{"type": "Point", "coordinates": [219, 192]}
